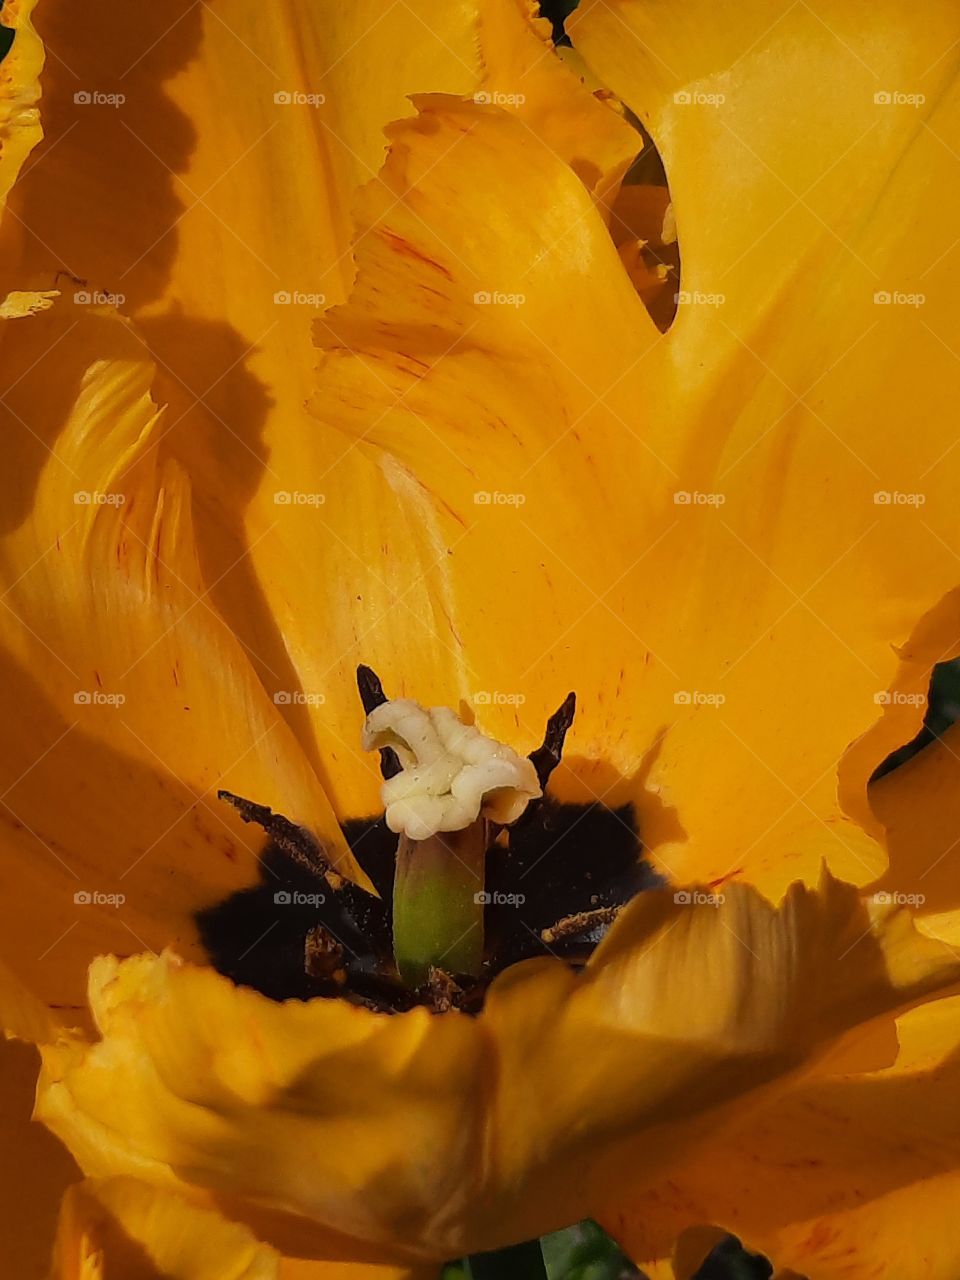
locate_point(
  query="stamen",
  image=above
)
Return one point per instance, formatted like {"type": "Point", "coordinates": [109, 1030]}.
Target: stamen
{"type": "Point", "coordinates": [297, 843]}
{"type": "Point", "coordinates": [546, 757]}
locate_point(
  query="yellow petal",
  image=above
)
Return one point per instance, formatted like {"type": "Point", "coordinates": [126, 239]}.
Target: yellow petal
{"type": "Point", "coordinates": [377, 589]}
{"type": "Point", "coordinates": [441, 1136]}
{"type": "Point", "coordinates": [109, 1225]}
{"type": "Point", "coordinates": [688, 1011]}
{"type": "Point", "coordinates": [848, 1177]}
{"type": "Point", "coordinates": [545, 93]}
{"type": "Point", "coordinates": [132, 700]}
{"type": "Point", "coordinates": [917, 804]}
{"type": "Point", "coordinates": [35, 1174]}
{"type": "Point", "coordinates": [195, 218]}
{"type": "Point", "coordinates": [19, 71]}
{"type": "Point", "coordinates": [113, 1225]}
{"type": "Point", "coordinates": [657, 520]}
{"type": "Point", "coordinates": [226, 1089]}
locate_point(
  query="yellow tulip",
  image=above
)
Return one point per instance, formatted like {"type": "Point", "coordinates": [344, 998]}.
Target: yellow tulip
{"type": "Point", "coordinates": [735, 539]}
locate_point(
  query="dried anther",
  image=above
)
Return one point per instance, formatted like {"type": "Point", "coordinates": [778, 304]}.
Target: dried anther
{"type": "Point", "coordinates": [581, 922]}
{"type": "Point", "coordinates": [546, 757]}
{"type": "Point", "coordinates": [323, 956]}
{"type": "Point", "coordinates": [441, 992]}
{"type": "Point", "coordinates": [293, 840]}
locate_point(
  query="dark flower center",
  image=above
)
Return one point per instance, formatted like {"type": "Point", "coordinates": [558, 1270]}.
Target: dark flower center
{"type": "Point", "coordinates": [555, 881]}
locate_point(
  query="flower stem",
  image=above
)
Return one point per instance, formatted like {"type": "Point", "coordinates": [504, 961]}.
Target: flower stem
{"type": "Point", "coordinates": [438, 904]}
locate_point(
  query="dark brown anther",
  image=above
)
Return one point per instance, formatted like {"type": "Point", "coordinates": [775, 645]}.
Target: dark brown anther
{"type": "Point", "coordinates": [441, 992]}
{"type": "Point", "coordinates": [546, 757]}
{"type": "Point", "coordinates": [371, 689]}
{"type": "Point", "coordinates": [373, 696]}
{"type": "Point", "coordinates": [295, 842]}
{"type": "Point", "coordinates": [580, 922]}
{"type": "Point", "coordinates": [323, 956]}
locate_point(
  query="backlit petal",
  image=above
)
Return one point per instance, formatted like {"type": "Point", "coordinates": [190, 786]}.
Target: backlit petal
{"type": "Point", "coordinates": [655, 519]}
{"type": "Point", "coordinates": [448, 1135]}
{"type": "Point", "coordinates": [118, 1224]}
{"type": "Point", "coordinates": [131, 699]}
{"type": "Point", "coordinates": [19, 72]}
{"type": "Point", "coordinates": [849, 1177]}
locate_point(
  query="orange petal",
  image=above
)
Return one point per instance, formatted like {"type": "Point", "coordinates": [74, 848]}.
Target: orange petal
{"type": "Point", "coordinates": [19, 73]}
{"type": "Point", "coordinates": [35, 1180]}
{"type": "Point", "coordinates": [655, 519]}
{"type": "Point", "coordinates": [132, 699]}
{"type": "Point", "coordinates": [848, 1177]}
{"type": "Point", "coordinates": [439, 1136]}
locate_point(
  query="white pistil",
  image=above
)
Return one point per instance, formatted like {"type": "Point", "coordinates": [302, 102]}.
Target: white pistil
{"type": "Point", "coordinates": [452, 773]}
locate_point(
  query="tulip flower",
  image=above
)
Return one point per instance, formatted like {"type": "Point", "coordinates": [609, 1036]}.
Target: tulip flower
{"type": "Point", "coordinates": [342, 337]}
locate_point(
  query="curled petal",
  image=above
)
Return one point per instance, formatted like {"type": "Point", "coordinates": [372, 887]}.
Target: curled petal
{"type": "Point", "coordinates": [448, 1135]}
